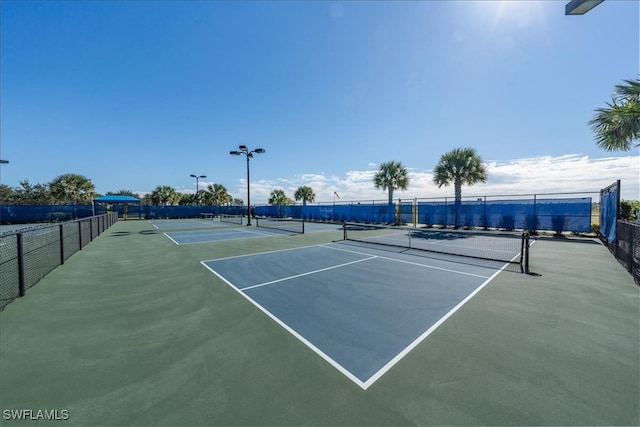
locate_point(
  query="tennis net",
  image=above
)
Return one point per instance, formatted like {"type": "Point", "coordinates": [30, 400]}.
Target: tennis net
{"type": "Point", "coordinates": [507, 247]}
{"type": "Point", "coordinates": [282, 224]}
{"type": "Point", "coordinates": [231, 219]}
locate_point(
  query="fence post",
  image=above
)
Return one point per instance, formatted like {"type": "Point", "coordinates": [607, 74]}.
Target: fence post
{"type": "Point", "coordinates": [20, 265]}
{"type": "Point", "coordinates": [80, 234]}
{"type": "Point", "coordinates": [535, 214]}
{"type": "Point", "coordinates": [485, 220]}
{"type": "Point", "coordinates": [445, 212]}
{"type": "Point", "coordinates": [61, 244]}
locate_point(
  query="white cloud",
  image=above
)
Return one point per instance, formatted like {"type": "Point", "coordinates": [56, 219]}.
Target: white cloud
{"type": "Point", "coordinates": [535, 175]}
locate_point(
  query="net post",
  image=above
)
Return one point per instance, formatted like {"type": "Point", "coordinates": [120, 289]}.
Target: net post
{"type": "Point", "coordinates": [526, 253]}
{"type": "Point", "coordinates": [344, 230]}
{"type": "Point", "coordinates": [302, 225]}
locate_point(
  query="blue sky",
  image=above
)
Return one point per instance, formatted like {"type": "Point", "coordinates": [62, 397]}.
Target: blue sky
{"type": "Point", "coordinates": [139, 94]}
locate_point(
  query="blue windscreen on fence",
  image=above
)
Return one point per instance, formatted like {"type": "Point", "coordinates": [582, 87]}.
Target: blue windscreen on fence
{"type": "Point", "coordinates": [609, 202]}
{"type": "Point", "coordinates": [532, 214]}
{"type": "Point", "coordinates": [352, 212]}
{"type": "Point", "coordinates": [17, 214]}
{"type": "Point", "coordinates": [566, 214]}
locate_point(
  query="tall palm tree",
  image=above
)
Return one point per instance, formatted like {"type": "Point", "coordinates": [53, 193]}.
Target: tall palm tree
{"type": "Point", "coordinates": [617, 127]}
{"type": "Point", "coordinates": [459, 166]}
{"type": "Point", "coordinates": [219, 194]}
{"type": "Point", "coordinates": [305, 193]}
{"type": "Point", "coordinates": [279, 198]}
{"type": "Point", "coordinates": [204, 197]}
{"type": "Point", "coordinates": [165, 194]}
{"type": "Point", "coordinates": [391, 176]}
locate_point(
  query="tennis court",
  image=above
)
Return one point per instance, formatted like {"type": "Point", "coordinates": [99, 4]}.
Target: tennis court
{"type": "Point", "coordinates": [310, 329]}
{"type": "Point", "coordinates": [171, 224]}
{"type": "Point", "coordinates": [360, 309]}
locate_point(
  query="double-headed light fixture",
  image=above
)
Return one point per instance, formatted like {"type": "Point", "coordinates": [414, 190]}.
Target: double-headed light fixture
{"type": "Point", "coordinates": [242, 149]}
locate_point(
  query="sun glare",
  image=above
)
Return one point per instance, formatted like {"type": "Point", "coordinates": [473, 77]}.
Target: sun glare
{"type": "Point", "coordinates": [511, 14]}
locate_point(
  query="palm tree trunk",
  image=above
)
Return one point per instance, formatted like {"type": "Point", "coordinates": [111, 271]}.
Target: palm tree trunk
{"type": "Point", "coordinates": [458, 205]}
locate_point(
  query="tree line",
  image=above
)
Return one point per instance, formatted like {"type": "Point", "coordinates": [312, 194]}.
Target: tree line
{"type": "Point", "coordinates": [74, 189]}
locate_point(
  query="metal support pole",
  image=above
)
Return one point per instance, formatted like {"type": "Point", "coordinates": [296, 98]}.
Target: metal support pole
{"type": "Point", "coordinates": [248, 194]}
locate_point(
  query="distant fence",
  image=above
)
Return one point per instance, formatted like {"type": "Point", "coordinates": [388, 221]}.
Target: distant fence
{"type": "Point", "coordinates": [372, 212]}
{"type": "Point", "coordinates": [27, 255]}
{"type": "Point", "coordinates": [21, 214]}
{"type": "Point", "coordinates": [621, 237]}
{"type": "Point", "coordinates": [557, 214]}
{"type": "Point", "coordinates": [553, 214]}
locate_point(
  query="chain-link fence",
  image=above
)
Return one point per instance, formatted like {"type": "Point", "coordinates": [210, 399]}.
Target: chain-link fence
{"type": "Point", "coordinates": [626, 248]}
{"type": "Point", "coordinates": [26, 256]}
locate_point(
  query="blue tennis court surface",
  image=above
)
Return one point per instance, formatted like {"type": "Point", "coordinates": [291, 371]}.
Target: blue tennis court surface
{"type": "Point", "coordinates": [170, 224]}
{"type": "Point", "coordinates": [230, 233]}
{"type": "Point", "coordinates": [361, 309]}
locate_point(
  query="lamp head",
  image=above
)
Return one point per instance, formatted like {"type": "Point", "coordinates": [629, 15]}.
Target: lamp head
{"type": "Point", "coordinates": [242, 147]}
{"type": "Point", "coordinates": [259, 150]}
{"type": "Point", "coordinates": [234, 153]}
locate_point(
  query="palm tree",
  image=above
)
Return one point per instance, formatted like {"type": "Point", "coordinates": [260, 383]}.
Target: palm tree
{"type": "Point", "coordinates": [164, 195]}
{"type": "Point", "coordinates": [305, 193]}
{"type": "Point", "coordinates": [618, 125]}
{"type": "Point", "coordinates": [204, 197]}
{"type": "Point", "coordinates": [187, 199]}
{"type": "Point", "coordinates": [280, 199]}
{"type": "Point", "coordinates": [459, 166]}
{"type": "Point", "coordinates": [391, 176]}
{"type": "Point", "coordinates": [219, 194]}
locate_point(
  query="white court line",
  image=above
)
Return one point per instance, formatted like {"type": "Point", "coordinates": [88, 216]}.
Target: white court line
{"type": "Point", "coordinates": [217, 232]}
{"type": "Point", "coordinates": [307, 273]}
{"type": "Point", "coordinates": [366, 384]}
{"type": "Point", "coordinates": [428, 332]}
{"type": "Point", "coordinates": [286, 327]}
{"type": "Point", "coordinates": [262, 233]}
{"type": "Point", "coordinates": [169, 237]}
{"type": "Point", "coordinates": [267, 252]}
{"type": "Point", "coordinates": [413, 263]}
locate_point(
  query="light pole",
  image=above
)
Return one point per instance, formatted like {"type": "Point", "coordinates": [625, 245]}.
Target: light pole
{"type": "Point", "coordinates": [249, 153]}
{"type": "Point", "coordinates": [197, 177]}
